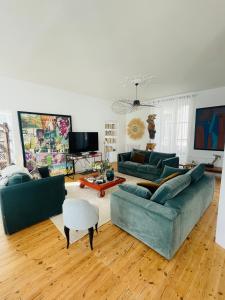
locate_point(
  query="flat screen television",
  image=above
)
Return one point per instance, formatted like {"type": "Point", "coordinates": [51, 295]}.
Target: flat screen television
{"type": "Point", "coordinates": [210, 128]}
{"type": "Point", "coordinates": [83, 142]}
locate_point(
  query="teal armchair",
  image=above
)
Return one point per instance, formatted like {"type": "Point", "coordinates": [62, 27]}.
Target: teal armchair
{"type": "Point", "coordinates": [28, 203]}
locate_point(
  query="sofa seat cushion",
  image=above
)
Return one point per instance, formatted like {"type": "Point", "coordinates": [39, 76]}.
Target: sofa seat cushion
{"type": "Point", "coordinates": [171, 188]}
{"type": "Point", "coordinates": [136, 190]}
{"type": "Point", "coordinates": [130, 165]}
{"type": "Point", "coordinates": [155, 157]}
{"type": "Point", "coordinates": [146, 168]}
{"type": "Point", "coordinates": [196, 173]}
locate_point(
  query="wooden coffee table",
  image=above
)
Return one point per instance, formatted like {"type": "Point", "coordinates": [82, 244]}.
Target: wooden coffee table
{"type": "Point", "coordinates": [100, 187]}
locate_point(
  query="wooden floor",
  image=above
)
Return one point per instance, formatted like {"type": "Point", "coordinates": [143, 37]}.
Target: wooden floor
{"type": "Point", "coordinates": [34, 264]}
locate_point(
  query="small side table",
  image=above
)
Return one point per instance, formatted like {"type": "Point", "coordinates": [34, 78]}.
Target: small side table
{"type": "Point", "coordinates": [79, 214]}
{"type": "Point", "coordinates": [187, 165]}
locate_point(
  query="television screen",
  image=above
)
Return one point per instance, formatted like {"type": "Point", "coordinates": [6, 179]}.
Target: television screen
{"type": "Point", "coordinates": [210, 128]}
{"type": "Point", "coordinates": [83, 141]}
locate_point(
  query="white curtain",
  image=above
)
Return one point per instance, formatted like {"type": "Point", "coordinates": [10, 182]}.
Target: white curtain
{"type": "Point", "coordinates": [173, 124]}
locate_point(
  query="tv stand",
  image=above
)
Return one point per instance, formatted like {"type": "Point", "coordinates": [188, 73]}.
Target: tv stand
{"type": "Point", "coordinates": [75, 157]}
{"type": "Point", "coordinates": [92, 152]}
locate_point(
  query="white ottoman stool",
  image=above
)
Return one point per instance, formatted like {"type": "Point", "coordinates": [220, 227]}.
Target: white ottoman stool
{"type": "Point", "coordinates": [79, 214]}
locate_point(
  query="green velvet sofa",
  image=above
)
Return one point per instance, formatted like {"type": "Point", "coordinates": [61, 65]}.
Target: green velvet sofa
{"type": "Point", "coordinates": [28, 203]}
{"type": "Point", "coordinates": [151, 168]}
{"type": "Point", "coordinates": [163, 227]}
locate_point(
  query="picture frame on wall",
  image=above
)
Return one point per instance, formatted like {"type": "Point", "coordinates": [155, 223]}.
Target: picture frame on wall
{"type": "Point", "coordinates": [210, 128]}
{"type": "Point", "coordinates": [45, 141]}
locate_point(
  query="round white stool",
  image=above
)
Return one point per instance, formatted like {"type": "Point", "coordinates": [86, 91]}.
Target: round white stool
{"type": "Point", "coordinates": [79, 214]}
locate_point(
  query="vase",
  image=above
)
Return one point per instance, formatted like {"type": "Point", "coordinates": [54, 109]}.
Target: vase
{"type": "Point", "coordinates": [110, 175]}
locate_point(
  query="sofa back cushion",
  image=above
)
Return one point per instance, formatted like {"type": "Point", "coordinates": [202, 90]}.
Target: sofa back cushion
{"type": "Point", "coordinates": [196, 173]}
{"type": "Point", "coordinates": [18, 179]}
{"type": "Point", "coordinates": [167, 171]}
{"type": "Point", "coordinates": [155, 157]}
{"type": "Point", "coordinates": [136, 190]}
{"type": "Point", "coordinates": [171, 188]}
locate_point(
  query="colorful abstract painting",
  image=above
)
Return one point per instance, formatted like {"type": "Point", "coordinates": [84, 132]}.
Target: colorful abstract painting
{"type": "Point", "coordinates": [45, 140]}
{"type": "Point", "coordinates": [210, 128]}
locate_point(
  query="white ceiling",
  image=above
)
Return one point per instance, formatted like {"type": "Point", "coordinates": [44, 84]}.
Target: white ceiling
{"type": "Point", "coordinates": [91, 46]}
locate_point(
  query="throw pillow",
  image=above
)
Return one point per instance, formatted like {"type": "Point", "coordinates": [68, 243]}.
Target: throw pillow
{"type": "Point", "coordinates": [151, 186]}
{"type": "Point", "coordinates": [171, 188]}
{"type": "Point", "coordinates": [18, 179]}
{"type": "Point", "coordinates": [167, 171]}
{"type": "Point", "coordinates": [136, 190]}
{"type": "Point", "coordinates": [196, 173]}
{"type": "Point", "coordinates": [163, 180]}
{"type": "Point", "coordinates": [137, 157]}
{"type": "Point", "coordinates": [145, 153]}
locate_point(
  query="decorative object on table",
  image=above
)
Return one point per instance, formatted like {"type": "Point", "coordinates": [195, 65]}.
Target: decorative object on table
{"type": "Point", "coordinates": [135, 129]}
{"type": "Point", "coordinates": [110, 174]}
{"type": "Point", "coordinates": [128, 106]}
{"type": "Point", "coordinates": [100, 187]}
{"type": "Point", "coordinates": [216, 158]}
{"type": "Point", "coordinates": [101, 166]}
{"type": "Point", "coordinates": [44, 140]}
{"type": "Point", "coordinates": [210, 128]}
{"type": "Point", "coordinates": [151, 126]}
{"type": "Point", "coordinates": [79, 214]}
{"type": "Point", "coordinates": [150, 146]}
{"type": "Point", "coordinates": [44, 172]}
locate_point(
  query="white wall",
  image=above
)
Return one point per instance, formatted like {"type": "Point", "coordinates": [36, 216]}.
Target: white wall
{"type": "Point", "coordinates": [220, 231]}
{"type": "Point", "coordinates": [88, 113]}
{"type": "Point", "coordinates": [207, 98]}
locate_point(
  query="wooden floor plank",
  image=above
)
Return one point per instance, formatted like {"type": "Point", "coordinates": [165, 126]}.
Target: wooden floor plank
{"type": "Point", "coordinates": [35, 264]}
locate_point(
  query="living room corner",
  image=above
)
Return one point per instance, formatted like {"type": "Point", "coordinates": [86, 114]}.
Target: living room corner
{"type": "Point", "coordinates": [112, 136]}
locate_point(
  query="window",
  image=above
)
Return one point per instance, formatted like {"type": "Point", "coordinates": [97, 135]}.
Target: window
{"type": "Point", "coordinates": [173, 125]}
{"type": "Point", "coordinates": [6, 142]}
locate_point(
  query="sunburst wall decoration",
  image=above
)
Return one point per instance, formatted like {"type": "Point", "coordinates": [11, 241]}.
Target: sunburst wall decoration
{"type": "Point", "coordinates": [136, 129]}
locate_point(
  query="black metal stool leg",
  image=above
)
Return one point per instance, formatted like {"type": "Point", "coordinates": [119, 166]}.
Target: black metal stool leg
{"type": "Point", "coordinates": [67, 233]}
{"type": "Point", "coordinates": [96, 227]}
{"type": "Point", "coordinates": [91, 234]}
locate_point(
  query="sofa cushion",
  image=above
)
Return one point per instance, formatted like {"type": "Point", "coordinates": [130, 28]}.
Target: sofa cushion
{"type": "Point", "coordinates": [130, 165]}
{"type": "Point", "coordinates": [159, 164]}
{"type": "Point", "coordinates": [150, 185]}
{"type": "Point", "coordinates": [136, 190]}
{"type": "Point", "coordinates": [18, 178]}
{"type": "Point", "coordinates": [149, 169]}
{"type": "Point", "coordinates": [167, 171]}
{"type": "Point", "coordinates": [171, 188]}
{"type": "Point", "coordinates": [145, 153]}
{"type": "Point", "coordinates": [197, 172]}
{"type": "Point", "coordinates": [137, 157]}
{"type": "Point", "coordinates": [156, 156]}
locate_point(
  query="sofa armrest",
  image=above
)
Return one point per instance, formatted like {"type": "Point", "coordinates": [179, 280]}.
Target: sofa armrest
{"type": "Point", "coordinates": [152, 223]}
{"type": "Point", "coordinates": [28, 203]}
{"type": "Point", "coordinates": [124, 156]}
{"type": "Point", "coordinates": [171, 162]}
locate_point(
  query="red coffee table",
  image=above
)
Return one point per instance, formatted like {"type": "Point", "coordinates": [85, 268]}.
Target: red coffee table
{"type": "Point", "coordinates": [100, 187]}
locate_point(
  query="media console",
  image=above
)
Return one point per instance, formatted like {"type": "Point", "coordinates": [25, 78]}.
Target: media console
{"type": "Point", "coordinates": [74, 158]}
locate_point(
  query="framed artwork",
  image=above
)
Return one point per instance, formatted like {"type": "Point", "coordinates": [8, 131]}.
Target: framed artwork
{"type": "Point", "coordinates": [45, 142]}
{"type": "Point", "coordinates": [210, 128]}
